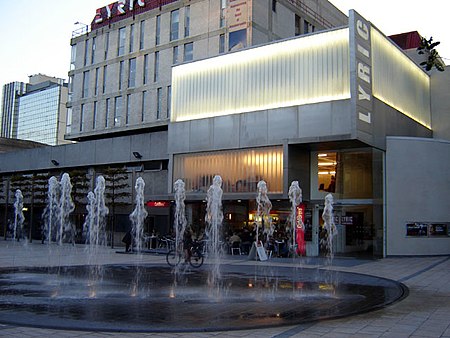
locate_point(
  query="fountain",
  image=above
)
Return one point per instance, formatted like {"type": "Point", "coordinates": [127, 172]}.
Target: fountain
{"type": "Point", "coordinates": [330, 227]}
{"type": "Point", "coordinates": [66, 206]}
{"type": "Point", "coordinates": [18, 216]}
{"type": "Point", "coordinates": [298, 230]}
{"type": "Point", "coordinates": [263, 218]}
{"type": "Point", "coordinates": [66, 297]}
{"type": "Point", "coordinates": [180, 221]}
{"type": "Point", "coordinates": [214, 218]}
{"type": "Point", "coordinates": [51, 211]}
{"type": "Point", "coordinates": [138, 215]}
{"type": "Point", "coordinates": [95, 225]}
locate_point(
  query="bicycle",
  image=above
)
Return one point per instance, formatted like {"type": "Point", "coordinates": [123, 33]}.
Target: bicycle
{"type": "Point", "coordinates": [195, 258]}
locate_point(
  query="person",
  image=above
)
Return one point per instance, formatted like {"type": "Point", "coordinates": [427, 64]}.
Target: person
{"type": "Point", "coordinates": [332, 185]}
{"type": "Point", "coordinates": [127, 240]}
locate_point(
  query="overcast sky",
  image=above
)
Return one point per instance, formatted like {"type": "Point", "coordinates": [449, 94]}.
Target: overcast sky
{"type": "Point", "coordinates": [35, 35]}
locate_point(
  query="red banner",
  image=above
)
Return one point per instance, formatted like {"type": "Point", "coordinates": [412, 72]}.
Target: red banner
{"type": "Point", "coordinates": [300, 230]}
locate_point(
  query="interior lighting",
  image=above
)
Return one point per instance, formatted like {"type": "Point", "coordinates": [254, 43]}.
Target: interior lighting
{"type": "Point", "coordinates": [271, 76]}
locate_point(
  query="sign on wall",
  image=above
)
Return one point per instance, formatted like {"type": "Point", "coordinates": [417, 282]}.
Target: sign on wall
{"type": "Point", "coordinates": [361, 75]}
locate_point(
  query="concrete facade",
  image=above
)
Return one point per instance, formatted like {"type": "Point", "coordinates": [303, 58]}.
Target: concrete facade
{"type": "Point", "coordinates": [417, 184]}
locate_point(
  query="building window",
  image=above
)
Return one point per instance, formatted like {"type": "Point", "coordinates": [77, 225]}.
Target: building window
{"type": "Point", "coordinates": [145, 70]}
{"type": "Point", "coordinates": [86, 50]}
{"type": "Point", "coordinates": [223, 8]}
{"type": "Point", "coordinates": [106, 45]}
{"type": "Point", "coordinates": [174, 24]}
{"type": "Point", "coordinates": [175, 55]}
{"type": "Point", "coordinates": [105, 73]}
{"type": "Point", "coordinates": [117, 110]}
{"type": "Point", "coordinates": [81, 117]}
{"type": "Point", "coordinates": [121, 42]}
{"type": "Point", "coordinates": [127, 113]}
{"type": "Point", "coordinates": [298, 25]}
{"type": "Point", "coordinates": [156, 67]}
{"type": "Point", "coordinates": [97, 72]}
{"type": "Point", "coordinates": [326, 169]}
{"type": "Point", "coordinates": [131, 37]}
{"type": "Point", "coordinates": [73, 57]}
{"type": "Point", "coordinates": [169, 99]}
{"type": "Point", "coordinates": [241, 170]}
{"type": "Point", "coordinates": [142, 35]}
{"type": "Point", "coordinates": [94, 115]}
{"type": "Point", "coordinates": [143, 105]}
{"type": "Point", "coordinates": [222, 43]}
{"type": "Point", "coordinates": [274, 5]}
{"type": "Point", "coordinates": [106, 112]}
{"type": "Point", "coordinates": [158, 103]}
{"type": "Point", "coordinates": [69, 121]}
{"type": "Point", "coordinates": [132, 73]}
{"type": "Point", "coordinates": [158, 30]}
{"type": "Point", "coordinates": [307, 27]}
{"type": "Point", "coordinates": [93, 50]}
{"type": "Point", "coordinates": [120, 74]}
{"type": "Point", "coordinates": [187, 20]}
{"type": "Point", "coordinates": [85, 90]}
{"type": "Point", "coordinates": [188, 51]}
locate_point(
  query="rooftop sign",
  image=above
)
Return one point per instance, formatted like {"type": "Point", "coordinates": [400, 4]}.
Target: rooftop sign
{"type": "Point", "coordinates": [122, 9]}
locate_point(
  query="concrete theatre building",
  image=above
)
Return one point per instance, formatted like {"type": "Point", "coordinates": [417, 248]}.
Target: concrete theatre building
{"type": "Point", "coordinates": [275, 91]}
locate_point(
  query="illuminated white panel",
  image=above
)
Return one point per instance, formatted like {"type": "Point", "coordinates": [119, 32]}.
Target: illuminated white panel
{"type": "Point", "coordinates": [304, 70]}
{"type": "Point", "coordinates": [398, 81]}
{"type": "Point", "coordinates": [241, 170]}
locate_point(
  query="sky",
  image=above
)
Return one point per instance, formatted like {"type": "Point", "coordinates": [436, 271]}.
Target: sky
{"type": "Point", "coordinates": [36, 35]}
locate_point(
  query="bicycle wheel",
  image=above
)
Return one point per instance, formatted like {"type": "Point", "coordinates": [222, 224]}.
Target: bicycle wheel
{"type": "Point", "coordinates": [173, 258]}
{"type": "Point", "coordinates": [196, 260]}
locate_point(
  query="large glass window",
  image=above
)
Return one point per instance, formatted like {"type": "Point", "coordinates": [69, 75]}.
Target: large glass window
{"type": "Point", "coordinates": [174, 24]}
{"type": "Point", "coordinates": [73, 57]}
{"type": "Point", "coordinates": [121, 42]}
{"type": "Point", "coordinates": [348, 174]}
{"type": "Point", "coordinates": [241, 170]}
{"type": "Point", "coordinates": [132, 73]}
{"type": "Point", "coordinates": [221, 43]}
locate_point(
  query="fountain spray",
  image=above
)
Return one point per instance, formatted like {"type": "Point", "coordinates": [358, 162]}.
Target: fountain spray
{"type": "Point", "coordinates": [263, 217]}
{"type": "Point", "coordinates": [66, 206]}
{"type": "Point", "coordinates": [329, 225]}
{"type": "Point", "coordinates": [214, 218]}
{"type": "Point", "coordinates": [139, 214]}
{"type": "Point", "coordinates": [18, 215]}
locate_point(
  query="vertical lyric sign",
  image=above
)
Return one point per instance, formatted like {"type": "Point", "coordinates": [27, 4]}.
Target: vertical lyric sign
{"type": "Point", "coordinates": [361, 74]}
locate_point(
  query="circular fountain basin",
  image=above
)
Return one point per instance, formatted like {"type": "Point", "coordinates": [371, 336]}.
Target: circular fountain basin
{"type": "Point", "coordinates": [145, 298]}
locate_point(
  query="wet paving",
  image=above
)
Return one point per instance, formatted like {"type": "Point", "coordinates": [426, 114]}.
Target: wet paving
{"type": "Point", "coordinates": [140, 298]}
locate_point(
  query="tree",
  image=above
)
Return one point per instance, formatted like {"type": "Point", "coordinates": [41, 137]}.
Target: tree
{"type": "Point", "coordinates": [427, 48]}
{"type": "Point", "coordinates": [116, 191]}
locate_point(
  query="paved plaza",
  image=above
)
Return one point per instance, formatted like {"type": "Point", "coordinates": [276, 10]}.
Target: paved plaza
{"type": "Point", "coordinates": [424, 313]}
